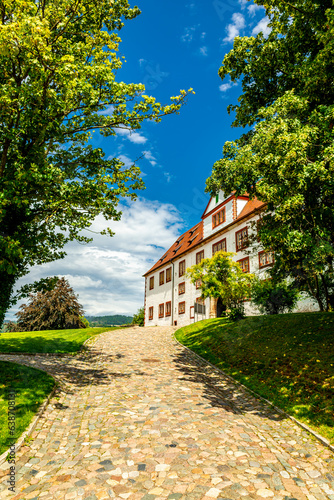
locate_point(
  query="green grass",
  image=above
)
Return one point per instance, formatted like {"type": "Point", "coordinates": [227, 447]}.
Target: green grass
{"type": "Point", "coordinates": [286, 358]}
{"type": "Point", "coordinates": [48, 341]}
{"type": "Point", "coordinates": [31, 387]}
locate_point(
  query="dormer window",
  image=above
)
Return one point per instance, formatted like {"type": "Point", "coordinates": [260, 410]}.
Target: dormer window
{"type": "Point", "coordinates": [218, 218]}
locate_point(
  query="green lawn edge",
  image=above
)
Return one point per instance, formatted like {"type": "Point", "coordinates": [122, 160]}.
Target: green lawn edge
{"type": "Point", "coordinates": [287, 359]}
{"type": "Point", "coordinates": [31, 387]}
{"type": "Point", "coordinates": [49, 341]}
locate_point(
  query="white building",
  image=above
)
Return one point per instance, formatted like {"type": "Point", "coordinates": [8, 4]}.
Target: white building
{"type": "Point", "coordinates": [226, 225]}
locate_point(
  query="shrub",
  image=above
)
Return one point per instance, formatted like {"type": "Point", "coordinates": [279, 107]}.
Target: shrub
{"type": "Point", "coordinates": [236, 313]}
{"type": "Point", "coordinates": [138, 319]}
{"type": "Point", "coordinates": [273, 297]}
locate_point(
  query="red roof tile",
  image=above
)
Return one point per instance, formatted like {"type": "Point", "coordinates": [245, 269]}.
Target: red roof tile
{"type": "Point", "coordinates": [193, 236]}
{"type": "Point", "coordinates": [184, 242]}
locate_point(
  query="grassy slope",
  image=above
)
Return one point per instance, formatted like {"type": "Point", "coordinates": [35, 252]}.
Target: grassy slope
{"type": "Point", "coordinates": [31, 387]}
{"type": "Point", "coordinates": [60, 341]}
{"type": "Point", "coordinates": [287, 358]}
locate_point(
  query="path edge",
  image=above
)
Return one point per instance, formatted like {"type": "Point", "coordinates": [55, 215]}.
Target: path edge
{"type": "Point", "coordinates": [320, 438]}
{"type": "Point", "coordinates": [32, 424]}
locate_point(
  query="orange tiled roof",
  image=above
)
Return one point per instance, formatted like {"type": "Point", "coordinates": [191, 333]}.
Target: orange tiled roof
{"type": "Point", "coordinates": [250, 207]}
{"type": "Point", "coordinates": [184, 242]}
{"type": "Point", "coordinates": [193, 236]}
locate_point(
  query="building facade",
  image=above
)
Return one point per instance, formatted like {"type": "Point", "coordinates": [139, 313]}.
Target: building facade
{"type": "Point", "coordinates": [227, 224]}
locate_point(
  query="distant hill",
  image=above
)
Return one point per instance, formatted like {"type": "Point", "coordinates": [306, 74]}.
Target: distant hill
{"type": "Point", "coordinates": [117, 319]}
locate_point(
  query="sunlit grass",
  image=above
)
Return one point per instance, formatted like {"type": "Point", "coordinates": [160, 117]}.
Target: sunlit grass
{"type": "Point", "coordinates": [56, 341]}
{"type": "Point", "coordinates": [31, 387]}
{"type": "Point", "coordinates": [286, 358]}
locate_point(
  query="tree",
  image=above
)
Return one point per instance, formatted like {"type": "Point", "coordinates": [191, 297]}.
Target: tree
{"type": "Point", "coordinates": [139, 318]}
{"type": "Point", "coordinates": [286, 160]}
{"type": "Point", "coordinates": [57, 309]}
{"type": "Point", "coordinates": [223, 278]}
{"type": "Point", "coordinates": [273, 297]}
{"type": "Point", "coordinates": [58, 64]}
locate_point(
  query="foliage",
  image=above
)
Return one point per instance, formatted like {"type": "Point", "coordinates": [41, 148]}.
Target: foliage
{"type": "Point", "coordinates": [288, 359]}
{"type": "Point", "coordinates": [84, 321]}
{"type": "Point", "coordinates": [57, 309]}
{"type": "Point", "coordinates": [139, 318]}
{"type": "Point", "coordinates": [11, 326]}
{"type": "Point", "coordinates": [116, 319]}
{"type": "Point", "coordinates": [237, 313]}
{"type": "Point", "coordinates": [287, 159]}
{"type": "Point", "coordinates": [272, 297]}
{"type": "Point", "coordinates": [31, 387]}
{"type": "Point", "coordinates": [58, 65]}
{"type": "Point", "coordinates": [45, 341]}
{"type": "Point", "coordinates": [221, 277]}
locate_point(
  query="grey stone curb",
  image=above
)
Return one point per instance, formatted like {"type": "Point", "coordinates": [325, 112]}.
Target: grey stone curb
{"type": "Point", "coordinates": [32, 425]}
{"type": "Point", "coordinates": [320, 438]}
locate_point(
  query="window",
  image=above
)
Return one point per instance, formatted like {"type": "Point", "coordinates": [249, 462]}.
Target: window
{"type": "Point", "coordinates": [182, 288]}
{"type": "Point", "coordinates": [218, 218]}
{"type": "Point", "coordinates": [266, 258]}
{"type": "Point", "coordinates": [192, 312]}
{"type": "Point", "coordinates": [182, 307]}
{"type": "Point", "coordinates": [182, 267]}
{"type": "Point", "coordinates": [161, 310]}
{"type": "Point", "coordinates": [168, 274]}
{"type": "Point", "coordinates": [241, 238]}
{"type": "Point", "coordinates": [162, 278]}
{"type": "Point", "coordinates": [220, 246]}
{"type": "Point", "coordinates": [168, 308]}
{"type": "Point", "coordinates": [199, 256]}
{"type": "Point", "coordinates": [198, 284]}
{"type": "Point", "coordinates": [244, 264]}
{"type": "Point", "coordinates": [151, 282]}
{"type": "Point", "coordinates": [200, 300]}
{"type": "Point", "coordinates": [150, 313]}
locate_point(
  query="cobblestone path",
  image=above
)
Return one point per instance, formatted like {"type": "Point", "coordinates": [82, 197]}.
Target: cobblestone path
{"type": "Point", "coordinates": [139, 417]}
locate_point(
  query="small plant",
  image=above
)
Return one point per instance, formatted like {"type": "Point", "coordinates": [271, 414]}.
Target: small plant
{"type": "Point", "coordinates": [236, 313]}
{"type": "Point", "coordinates": [273, 297]}
{"type": "Point", "coordinates": [138, 319]}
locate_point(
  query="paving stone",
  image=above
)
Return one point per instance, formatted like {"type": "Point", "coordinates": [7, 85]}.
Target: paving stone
{"type": "Point", "coordinates": [139, 417]}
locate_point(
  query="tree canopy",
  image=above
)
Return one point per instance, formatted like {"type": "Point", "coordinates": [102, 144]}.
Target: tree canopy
{"type": "Point", "coordinates": [58, 66]}
{"type": "Point", "coordinates": [221, 277]}
{"type": "Point", "coordinates": [56, 309]}
{"type": "Point", "coordinates": [286, 159]}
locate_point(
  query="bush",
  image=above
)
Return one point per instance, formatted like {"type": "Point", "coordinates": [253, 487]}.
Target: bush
{"type": "Point", "coordinates": [138, 319]}
{"type": "Point", "coordinates": [236, 313]}
{"type": "Point", "coordinates": [273, 297]}
{"type": "Point", "coordinates": [85, 322]}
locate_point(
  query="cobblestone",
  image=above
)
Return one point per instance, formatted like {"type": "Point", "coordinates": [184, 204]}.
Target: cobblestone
{"type": "Point", "coordinates": [138, 417]}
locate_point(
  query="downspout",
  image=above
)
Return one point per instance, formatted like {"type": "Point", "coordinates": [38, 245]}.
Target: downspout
{"type": "Point", "coordinates": [172, 291]}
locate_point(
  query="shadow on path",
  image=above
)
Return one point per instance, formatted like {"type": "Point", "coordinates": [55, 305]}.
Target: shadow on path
{"type": "Point", "coordinates": [220, 391]}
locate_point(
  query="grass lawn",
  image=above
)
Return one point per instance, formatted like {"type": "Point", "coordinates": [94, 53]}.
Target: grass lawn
{"type": "Point", "coordinates": [60, 341]}
{"type": "Point", "coordinates": [286, 358]}
{"type": "Point", "coordinates": [31, 387]}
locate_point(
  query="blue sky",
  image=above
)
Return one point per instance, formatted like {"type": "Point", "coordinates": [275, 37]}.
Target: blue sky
{"type": "Point", "coordinates": [172, 45]}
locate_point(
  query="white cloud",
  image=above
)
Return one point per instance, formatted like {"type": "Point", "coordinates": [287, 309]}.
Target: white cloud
{"type": "Point", "coordinates": [149, 156]}
{"type": "Point", "coordinates": [203, 51]}
{"type": "Point", "coordinates": [234, 29]}
{"type": "Point", "coordinates": [108, 111]}
{"type": "Point", "coordinates": [203, 35]}
{"type": "Point", "coordinates": [132, 135]}
{"type": "Point", "coordinates": [262, 26]}
{"type": "Point", "coordinates": [126, 160]}
{"type": "Point", "coordinates": [243, 3]}
{"type": "Point", "coordinates": [224, 87]}
{"type": "Point", "coordinates": [107, 273]}
{"type": "Point", "coordinates": [253, 8]}
{"type": "Point", "coordinates": [142, 62]}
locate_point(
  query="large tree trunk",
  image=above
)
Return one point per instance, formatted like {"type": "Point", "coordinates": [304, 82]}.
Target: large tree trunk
{"type": "Point", "coordinates": [7, 282]}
